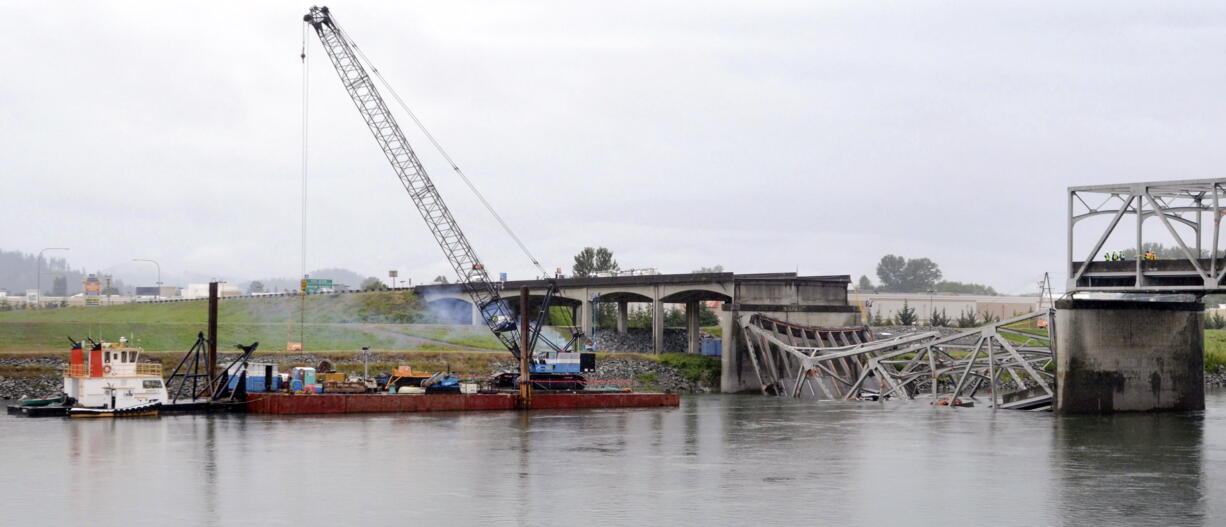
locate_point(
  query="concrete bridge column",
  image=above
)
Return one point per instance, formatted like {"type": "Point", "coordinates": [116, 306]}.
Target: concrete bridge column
{"type": "Point", "coordinates": [691, 326]}
{"type": "Point", "coordinates": [586, 316]}
{"type": "Point", "coordinates": [1129, 355]}
{"type": "Point", "coordinates": [735, 375]}
{"type": "Point", "coordinates": [657, 326]}
{"type": "Point", "coordinates": [623, 316]}
{"type": "Point", "coordinates": [477, 320]}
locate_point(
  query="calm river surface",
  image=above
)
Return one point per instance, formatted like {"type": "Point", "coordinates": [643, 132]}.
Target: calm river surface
{"type": "Point", "coordinates": [717, 460]}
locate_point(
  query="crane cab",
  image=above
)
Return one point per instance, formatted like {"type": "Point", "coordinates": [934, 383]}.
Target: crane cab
{"type": "Point", "coordinates": [563, 362]}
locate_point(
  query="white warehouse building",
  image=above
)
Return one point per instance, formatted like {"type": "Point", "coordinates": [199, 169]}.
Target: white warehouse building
{"type": "Point", "coordinates": [887, 305]}
{"type": "Point", "coordinates": [202, 290]}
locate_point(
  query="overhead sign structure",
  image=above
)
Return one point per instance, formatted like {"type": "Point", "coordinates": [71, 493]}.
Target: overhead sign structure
{"type": "Point", "coordinates": [313, 285]}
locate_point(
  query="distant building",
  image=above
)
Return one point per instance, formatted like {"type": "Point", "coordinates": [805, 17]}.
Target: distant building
{"type": "Point", "coordinates": [647, 271]}
{"type": "Point", "coordinates": [202, 290]}
{"type": "Point", "coordinates": [166, 291]}
{"type": "Point", "coordinates": [887, 305]}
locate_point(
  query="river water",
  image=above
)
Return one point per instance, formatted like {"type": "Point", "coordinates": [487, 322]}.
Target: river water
{"type": "Point", "coordinates": [716, 460]}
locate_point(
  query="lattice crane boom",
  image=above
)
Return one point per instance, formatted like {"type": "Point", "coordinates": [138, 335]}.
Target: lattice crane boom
{"type": "Point", "coordinates": [468, 268]}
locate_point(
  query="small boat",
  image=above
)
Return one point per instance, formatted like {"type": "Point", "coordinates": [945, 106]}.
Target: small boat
{"type": "Point", "coordinates": [113, 383]}
{"type": "Point", "coordinates": [43, 402]}
{"type": "Point", "coordinates": [139, 410]}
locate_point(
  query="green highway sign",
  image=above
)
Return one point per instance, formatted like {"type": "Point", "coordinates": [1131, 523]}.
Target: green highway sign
{"type": "Point", "coordinates": [311, 285]}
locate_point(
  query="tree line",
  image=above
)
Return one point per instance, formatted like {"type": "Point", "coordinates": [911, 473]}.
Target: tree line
{"type": "Point", "coordinates": [896, 274]}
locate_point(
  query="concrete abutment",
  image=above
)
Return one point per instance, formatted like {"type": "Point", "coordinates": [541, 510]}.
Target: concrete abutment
{"type": "Point", "coordinates": [1129, 355]}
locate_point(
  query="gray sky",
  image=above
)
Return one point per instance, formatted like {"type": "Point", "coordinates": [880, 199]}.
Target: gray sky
{"type": "Point", "coordinates": [763, 136]}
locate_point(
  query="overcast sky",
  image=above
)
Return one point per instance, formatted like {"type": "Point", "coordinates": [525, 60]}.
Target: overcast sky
{"type": "Point", "coordinates": [761, 136]}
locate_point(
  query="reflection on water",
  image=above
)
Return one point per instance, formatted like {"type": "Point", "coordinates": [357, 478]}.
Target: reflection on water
{"type": "Point", "coordinates": [1130, 469]}
{"type": "Point", "coordinates": [716, 460]}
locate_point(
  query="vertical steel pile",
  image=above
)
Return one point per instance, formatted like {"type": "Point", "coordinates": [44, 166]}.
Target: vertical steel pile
{"type": "Point", "coordinates": [212, 338]}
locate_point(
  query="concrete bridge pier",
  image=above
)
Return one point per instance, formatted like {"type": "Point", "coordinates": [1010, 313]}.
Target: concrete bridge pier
{"type": "Point", "coordinates": [585, 316]}
{"type": "Point", "coordinates": [657, 326]}
{"type": "Point", "coordinates": [692, 322]}
{"type": "Point", "coordinates": [623, 316]}
{"type": "Point", "coordinates": [1129, 353]}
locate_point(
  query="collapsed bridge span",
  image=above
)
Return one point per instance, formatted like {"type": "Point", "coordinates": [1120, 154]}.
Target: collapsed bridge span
{"type": "Point", "coordinates": [1008, 359]}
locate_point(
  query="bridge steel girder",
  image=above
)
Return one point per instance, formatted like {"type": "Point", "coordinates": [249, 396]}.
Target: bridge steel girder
{"type": "Point", "coordinates": [1183, 203]}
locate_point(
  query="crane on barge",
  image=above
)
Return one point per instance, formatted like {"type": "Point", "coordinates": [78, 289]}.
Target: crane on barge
{"type": "Point", "coordinates": [346, 58]}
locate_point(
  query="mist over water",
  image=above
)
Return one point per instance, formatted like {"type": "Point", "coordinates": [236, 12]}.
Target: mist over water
{"type": "Point", "coordinates": [716, 460]}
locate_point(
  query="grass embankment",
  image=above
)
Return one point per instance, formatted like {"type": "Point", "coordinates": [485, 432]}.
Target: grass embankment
{"type": "Point", "coordinates": [463, 363]}
{"type": "Point", "coordinates": [382, 321]}
{"type": "Point", "coordinates": [1215, 345]}
{"type": "Point", "coordinates": [1215, 350]}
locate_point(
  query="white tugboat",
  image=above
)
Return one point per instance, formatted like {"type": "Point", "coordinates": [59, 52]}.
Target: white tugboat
{"type": "Point", "coordinates": [114, 383]}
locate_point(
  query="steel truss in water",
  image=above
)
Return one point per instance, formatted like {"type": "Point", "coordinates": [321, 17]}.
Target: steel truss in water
{"type": "Point", "coordinates": [1009, 358]}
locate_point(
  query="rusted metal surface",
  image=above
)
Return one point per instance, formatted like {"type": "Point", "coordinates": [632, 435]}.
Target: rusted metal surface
{"type": "Point", "coordinates": [344, 387]}
{"type": "Point", "coordinates": [525, 356]}
{"type": "Point", "coordinates": [369, 403]}
{"type": "Point", "coordinates": [287, 404]}
{"type": "Point", "coordinates": [542, 400]}
{"type": "Point", "coordinates": [211, 356]}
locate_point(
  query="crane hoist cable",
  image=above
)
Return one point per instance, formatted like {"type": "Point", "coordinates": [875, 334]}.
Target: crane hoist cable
{"type": "Point", "coordinates": [439, 148]}
{"type": "Point", "coordinates": [306, 105]}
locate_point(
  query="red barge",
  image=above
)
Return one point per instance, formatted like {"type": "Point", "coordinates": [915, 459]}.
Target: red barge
{"type": "Point", "coordinates": [298, 404]}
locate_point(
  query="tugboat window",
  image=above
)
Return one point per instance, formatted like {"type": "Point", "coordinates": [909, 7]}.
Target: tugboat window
{"type": "Point", "coordinates": [106, 357]}
{"type": "Point", "coordinates": [153, 383]}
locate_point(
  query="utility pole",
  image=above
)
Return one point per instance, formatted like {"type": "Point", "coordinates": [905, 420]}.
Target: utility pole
{"type": "Point", "coordinates": [39, 271]}
{"type": "Point", "coordinates": [158, 295]}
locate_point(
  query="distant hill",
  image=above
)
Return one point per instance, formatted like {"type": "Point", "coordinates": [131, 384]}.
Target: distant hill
{"type": "Point", "coordinates": [19, 271]}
